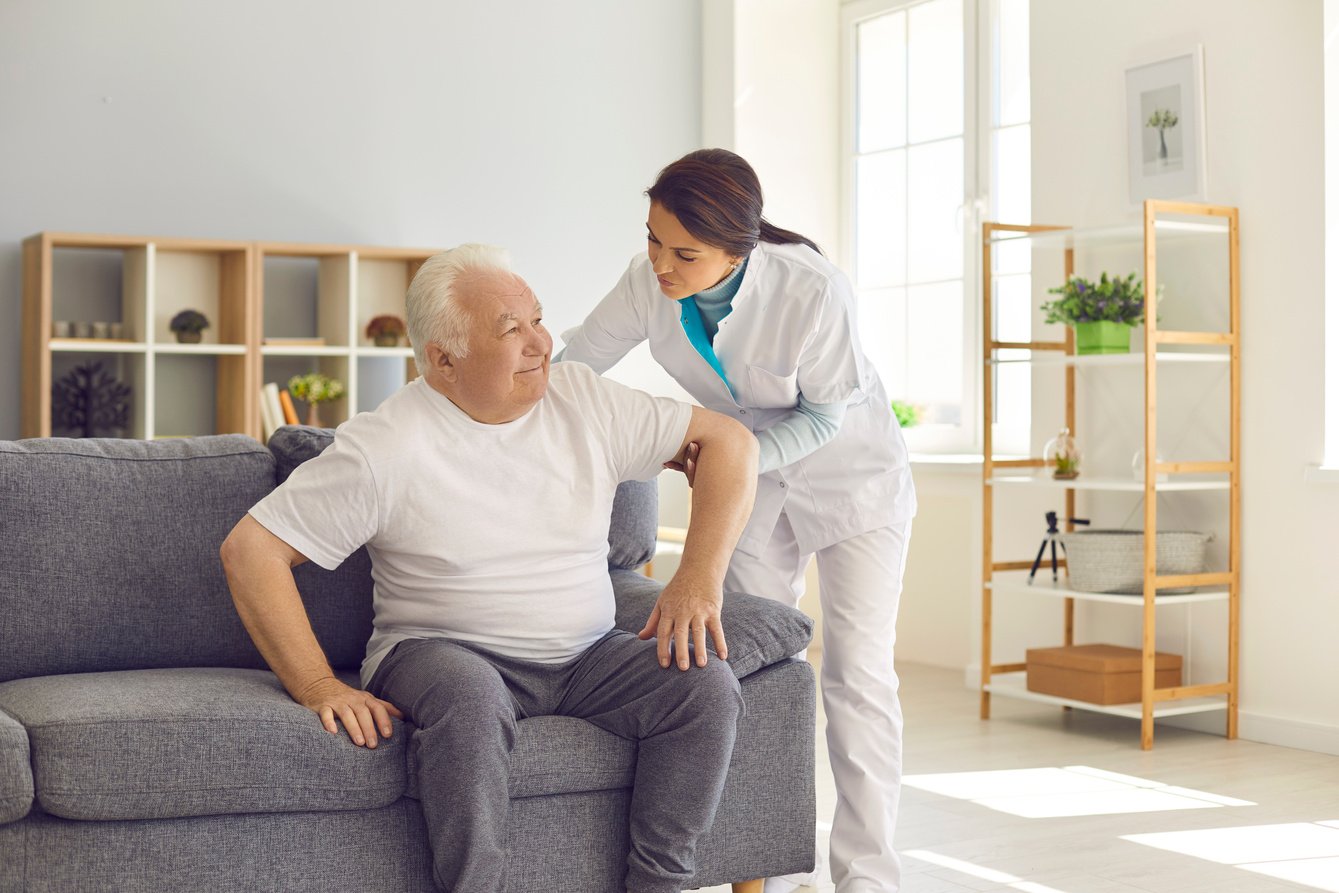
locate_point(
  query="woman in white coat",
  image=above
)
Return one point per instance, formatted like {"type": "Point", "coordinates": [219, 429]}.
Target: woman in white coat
{"type": "Point", "coordinates": [755, 323]}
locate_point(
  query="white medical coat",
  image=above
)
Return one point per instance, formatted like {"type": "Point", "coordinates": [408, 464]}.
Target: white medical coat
{"type": "Point", "coordinates": [792, 330]}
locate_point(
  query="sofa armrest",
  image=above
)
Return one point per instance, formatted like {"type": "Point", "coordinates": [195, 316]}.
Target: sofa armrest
{"type": "Point", "coordinates": [16, 771]}
{"type": "Point", "coordinates": [758, 631]}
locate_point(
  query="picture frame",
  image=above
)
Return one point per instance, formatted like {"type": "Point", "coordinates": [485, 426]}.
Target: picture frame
{"type": "Point", "coordinates": [1164, 113]}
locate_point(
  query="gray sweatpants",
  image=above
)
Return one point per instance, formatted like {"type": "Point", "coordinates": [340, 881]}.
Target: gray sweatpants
{"type": "Point", "coordinates": [465, 702]}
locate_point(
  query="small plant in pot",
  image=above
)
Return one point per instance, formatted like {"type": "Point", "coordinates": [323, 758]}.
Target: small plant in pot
{"type": "Point", "coordinates": [315, 388]}
{"type": "Point", "coordinates": [908, 414]}
{"type": "Point", "coordinates": [386, 330]}
{"type": "Point", "coordinates": [188, 324]}
{"type": "Point", "coordinates": [1101, 312]}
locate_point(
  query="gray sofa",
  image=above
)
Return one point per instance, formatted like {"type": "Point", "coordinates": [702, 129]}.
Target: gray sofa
{"type": "Point", "coordinates": [145, 746]}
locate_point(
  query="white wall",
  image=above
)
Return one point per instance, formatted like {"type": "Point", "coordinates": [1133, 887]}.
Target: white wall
{"type": "Point", "coordinates": [1265, 155]}
{"type": "Point", "coordinates": [528, 124]}
{"type": "Point", "coordinates": [787, 110]}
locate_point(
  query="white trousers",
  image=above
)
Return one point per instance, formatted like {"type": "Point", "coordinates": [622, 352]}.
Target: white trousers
{"type": "Point", "coordinates": [860, 585]}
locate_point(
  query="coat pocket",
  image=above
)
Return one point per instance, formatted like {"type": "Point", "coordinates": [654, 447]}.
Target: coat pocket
{"type": "Point", "coordinates": [768, 390]}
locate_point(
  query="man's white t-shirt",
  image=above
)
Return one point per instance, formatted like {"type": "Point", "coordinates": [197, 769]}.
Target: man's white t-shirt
{"type": "Point", "coordinates": [491, 534]}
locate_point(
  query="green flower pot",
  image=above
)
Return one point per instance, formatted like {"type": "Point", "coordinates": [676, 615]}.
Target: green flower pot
{"type": "Point", "coordinates": [1101, 337]}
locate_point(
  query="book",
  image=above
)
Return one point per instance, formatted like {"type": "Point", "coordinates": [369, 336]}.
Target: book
{"type": "Point", "coordinates": [271, 413]}
{"type": "Point", "coordinates": [294, 342]}
{"type": "Point", "coordinates": [286, 401]}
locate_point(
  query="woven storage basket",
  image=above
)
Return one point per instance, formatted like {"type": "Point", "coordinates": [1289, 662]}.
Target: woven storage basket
{"type": "Point", "coordinates": [1113, 560]}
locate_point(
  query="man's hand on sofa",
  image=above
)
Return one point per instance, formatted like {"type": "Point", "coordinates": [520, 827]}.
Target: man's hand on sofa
{"type": "Point", "coordinates": [362, 714]}
{"type": "Point", "coordinates": [259, 567]}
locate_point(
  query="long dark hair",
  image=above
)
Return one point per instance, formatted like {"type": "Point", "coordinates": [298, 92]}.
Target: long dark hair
{"type": "Point", "coordinates": [716, 195]}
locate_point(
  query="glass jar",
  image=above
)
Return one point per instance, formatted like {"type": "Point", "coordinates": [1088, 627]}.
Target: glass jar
{"type": "Point", "coordinates": [1061, 456]}
{"type": "Point", "coordinates": [1138, 471]}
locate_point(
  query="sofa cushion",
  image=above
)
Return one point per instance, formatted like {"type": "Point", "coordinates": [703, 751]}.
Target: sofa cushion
{"type": "Point", "coordinates": [632, 528]}
{"type": "Point", "coordinates": [758, 631]}
{"type": "Point", "coordinates": [117, 541]}
{"type": "Point", "coordinates": [153, 744]}
{"type": "Point", "coordinates": [16, 774]}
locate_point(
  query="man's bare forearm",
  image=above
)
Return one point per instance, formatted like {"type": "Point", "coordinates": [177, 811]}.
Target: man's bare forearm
{"type": "Point", "coordinates": [260, 576]}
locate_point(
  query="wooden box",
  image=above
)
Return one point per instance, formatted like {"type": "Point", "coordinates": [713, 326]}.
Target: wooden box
{"type": "Point", "coordinates": [1098, 674]}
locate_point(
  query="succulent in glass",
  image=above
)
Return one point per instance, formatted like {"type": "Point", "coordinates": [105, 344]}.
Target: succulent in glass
{"type": "Point", "coordinates": [1061, 456]}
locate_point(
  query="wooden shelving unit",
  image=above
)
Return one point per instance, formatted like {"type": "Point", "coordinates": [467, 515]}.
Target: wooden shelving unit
{"type": "Point", "coordinates": [1161, 220]}
{"type": "Point", "coordinates": [328, 292]}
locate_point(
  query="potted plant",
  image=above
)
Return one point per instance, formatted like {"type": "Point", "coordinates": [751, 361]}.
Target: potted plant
{"type": "Point", "coordinates": [315, 388]}
{"type": "Point", "coordinates": [908, 414]}
{"type": "Point", "coordinates": [1101, 313]}
{"type": "Point", "coordinates": [386, 330]}
{"type": "Point", "coordinates": [188, 324]}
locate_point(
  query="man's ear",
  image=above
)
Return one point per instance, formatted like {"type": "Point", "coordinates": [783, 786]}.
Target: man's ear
{"type": "Point", "coordinates": [440, 362]}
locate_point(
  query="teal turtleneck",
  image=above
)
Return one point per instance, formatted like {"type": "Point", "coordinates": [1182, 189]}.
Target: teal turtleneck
{"type": "Point", "coordinates": [701, 316]}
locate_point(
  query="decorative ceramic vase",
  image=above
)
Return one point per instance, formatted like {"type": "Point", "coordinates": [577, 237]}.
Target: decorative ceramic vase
{"type": "Point", "coordinates": [386, 340]}
{"type": "Point", "coordinates": [1061, 455]}
{"type": "Point", "coordinates": [314, 415]}
{"type": "Point", "coordinates": [1101, 337]}
{"type": "Point", "coordinates": [188, 337]}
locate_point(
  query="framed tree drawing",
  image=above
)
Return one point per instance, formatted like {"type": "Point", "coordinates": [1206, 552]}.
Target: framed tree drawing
{"type": "Point", "coordinates": [1164, 113]}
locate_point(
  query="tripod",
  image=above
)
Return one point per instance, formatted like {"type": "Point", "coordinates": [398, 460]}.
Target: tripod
{"type": "Point", "coordinates": [1052, 531]}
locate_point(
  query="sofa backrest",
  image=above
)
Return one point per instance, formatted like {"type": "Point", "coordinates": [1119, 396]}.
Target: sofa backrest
{"type": "Point", "coordinates": [109, 552]}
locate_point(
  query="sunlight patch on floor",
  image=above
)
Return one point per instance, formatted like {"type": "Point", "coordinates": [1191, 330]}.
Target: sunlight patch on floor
{"type": "Point", "coordinates": [1300, 852]}
{"type": "Point", "coordinates": [1066, 792]}
{"type": "Point", "coordinates": [971, 869]}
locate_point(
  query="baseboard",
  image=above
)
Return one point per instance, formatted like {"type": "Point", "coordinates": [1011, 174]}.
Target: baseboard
{"type": "Point", "coordinates": [1251, 726]}
{"type": "Point", "coordinates": [1265, 729]}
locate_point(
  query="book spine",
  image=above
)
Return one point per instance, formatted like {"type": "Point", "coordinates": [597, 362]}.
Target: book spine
{"type": "Point", "coordinates": [271, 415]}
{"type": "Point", "coordinates": [286, 401]}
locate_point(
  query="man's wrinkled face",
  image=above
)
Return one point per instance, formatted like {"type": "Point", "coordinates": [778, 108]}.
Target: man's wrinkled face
{"type": "Point", "coordinates": [507, 369]}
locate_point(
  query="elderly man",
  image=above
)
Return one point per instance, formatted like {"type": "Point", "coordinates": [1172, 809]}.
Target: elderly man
{"type": "Point", "coordinates": [483, 491]}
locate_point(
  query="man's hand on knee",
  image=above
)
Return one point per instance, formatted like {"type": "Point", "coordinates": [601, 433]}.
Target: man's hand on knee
{"type": "Point", "coordinates": [686, 607]}
{"type": "Point", "coordinates": [363, 715]}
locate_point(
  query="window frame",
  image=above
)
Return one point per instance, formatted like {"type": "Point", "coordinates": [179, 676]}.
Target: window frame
{"type": "Point", "coordinates": [979, 50]}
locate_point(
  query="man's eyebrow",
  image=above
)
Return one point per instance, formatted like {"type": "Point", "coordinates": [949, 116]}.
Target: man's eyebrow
{"type": "Point", "coordinates": [652, 234]}
{"type": "Point", "coordinates": [508, 316]}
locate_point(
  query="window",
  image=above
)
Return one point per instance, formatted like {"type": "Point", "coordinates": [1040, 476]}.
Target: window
{"type": "Point", "coordinates": [1331, 458]}
{"type": "Point", "coordinates": [917, 149]}
{"type": "Point", "coordinates": [1010, 201]}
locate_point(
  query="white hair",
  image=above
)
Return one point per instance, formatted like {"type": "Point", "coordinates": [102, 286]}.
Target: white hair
{"type": "Point", "coordinates": [433, 304]}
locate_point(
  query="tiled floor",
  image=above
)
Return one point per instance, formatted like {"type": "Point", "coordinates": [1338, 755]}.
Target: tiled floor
{"type": "Point", "coordinates": [1038, 800]}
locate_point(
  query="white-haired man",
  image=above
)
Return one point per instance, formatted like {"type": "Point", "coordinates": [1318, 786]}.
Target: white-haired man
{"type": "Point", "coordinates": [482, 490]}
